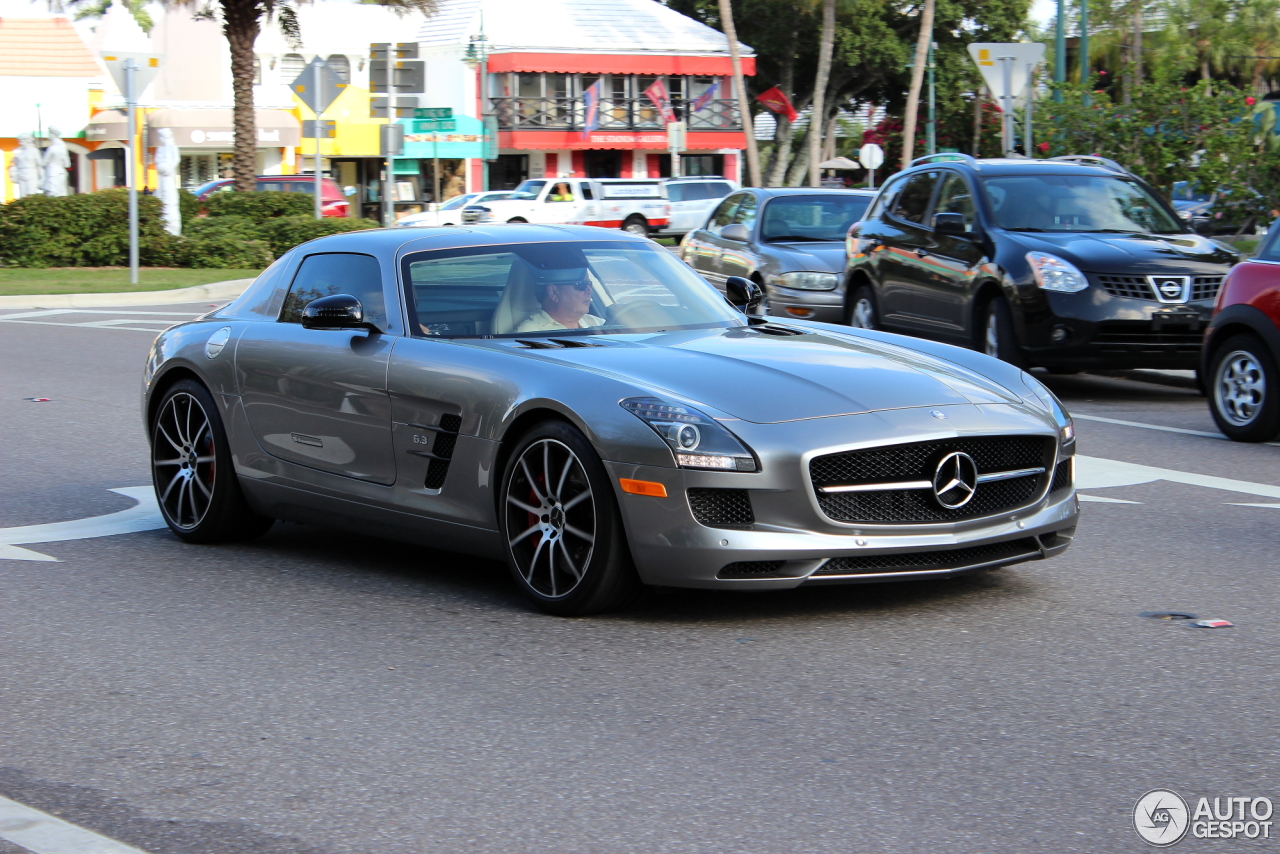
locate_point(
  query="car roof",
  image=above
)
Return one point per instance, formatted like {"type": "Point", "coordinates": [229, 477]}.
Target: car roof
{"type": "Point", "coordinates": [395, 240]}
{"type": "Point", "coordinates": [774, 192]}
{"type": "Point", "coordinates": [1002, 166]}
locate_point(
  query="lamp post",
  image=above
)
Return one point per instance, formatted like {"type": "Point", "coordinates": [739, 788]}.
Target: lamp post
{"type": "Point", "coordinates": [477, 56]}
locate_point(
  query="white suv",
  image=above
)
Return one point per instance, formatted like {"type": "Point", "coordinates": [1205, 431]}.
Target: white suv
{"type": "Point", "coordinates": [636, 205]}
{"type": "Point", "coordinates": [692, 200]}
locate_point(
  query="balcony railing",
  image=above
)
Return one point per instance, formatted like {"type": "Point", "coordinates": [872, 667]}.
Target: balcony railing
{"type": "Point", "coordinates": [614, 114]}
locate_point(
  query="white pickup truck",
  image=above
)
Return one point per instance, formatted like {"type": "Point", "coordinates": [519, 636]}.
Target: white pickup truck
{"type": "Point", "coordinates": [636, 205]}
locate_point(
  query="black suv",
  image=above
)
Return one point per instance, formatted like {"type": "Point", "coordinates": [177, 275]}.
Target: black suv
{"type": "Point", "coordinates": [1068, 263]}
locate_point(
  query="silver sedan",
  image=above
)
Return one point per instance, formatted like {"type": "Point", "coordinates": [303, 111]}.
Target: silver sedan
{"type": "Point", "coordinates": [582, 405]}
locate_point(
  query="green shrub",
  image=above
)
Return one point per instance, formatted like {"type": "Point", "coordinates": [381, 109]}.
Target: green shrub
{"type": "Point", "coordinates": [220, 251]}
{"type": "Point", "coordinates": [286, 232]}
{"type": "Point", "coordinates": [260, 207]}
{"type": "Point", "coordinates": [85, 230]}
{"type": "Point", "coordinates": [218, 226]}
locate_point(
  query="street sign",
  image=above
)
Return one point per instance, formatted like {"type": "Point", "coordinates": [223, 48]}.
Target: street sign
{"type": "Point", "coordinates": [490, 138]}
{"type": "Point", "coordinates": [318, 92]}
{"type": "Point", "coordinates": [676, 136]}
{"type": "Point", "coordinates": [871, 156]}
{"type": "Point", "coordinates": [403, 75]}
{"type": "Point", "coordinates": [1022, 57]}
{"type": "Point", "coordinates": [393, 108]}
{"type": "Point", "coordinates": [147, 66]}
{"type": "Point", "coordinates": [441, 126]}
{"type": "Point", "coordinates": [391, 140]}
{"type": "Point", "coordinates": [328, 129]}
{"type": "Point", "coordinates": [433, 113]}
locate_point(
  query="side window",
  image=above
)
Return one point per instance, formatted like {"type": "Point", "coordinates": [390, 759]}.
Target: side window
{"type": "Point", "coordinates": [723, 214]}
{"type": "Point", "coordinates": [746, 213]}
{"type": "Point", "coordinates": [337, 273]}
{"type": "Point", "coordinates": [718, 189]}
{"type": "Point", "coordinates": [587, 195]}
{"type": "Point", "coordinates": [675, 192]}
{"type": "Point", "coordinates": [888, 193]}
{"type": "Point", "coordinates": [561, 192]}
{"type": "Point", "coordinates": [270, 186]}
{"type": "Point", "coordinates": [698, 192]}
{"type": "Point", "coordinates": [956, 197]}
{"type": "Point", "coordinates": [913, 202]}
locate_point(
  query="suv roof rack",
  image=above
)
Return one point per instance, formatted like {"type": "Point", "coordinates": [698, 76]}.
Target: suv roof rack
{"type": "Point", "coordinates": [945, 156]}
{"type": "Point", "coordinates": [1092, 160]}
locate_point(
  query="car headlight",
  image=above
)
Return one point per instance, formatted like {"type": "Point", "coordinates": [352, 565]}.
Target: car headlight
{"type": "Point", "coordinates": [1066, 427]}
{"type": "Point", "coordinates": [806, 281]}
{"type": "Point", "coordinates": [697, 440]}
{"type": "Point", "coordinates": [1054, 274]}
{"type": "Point", "coordinates": [1184, 214]}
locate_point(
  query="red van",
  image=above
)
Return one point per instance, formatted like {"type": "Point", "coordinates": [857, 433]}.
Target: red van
{"type": "Point", "coordinates": [332, 202]}
{"type": "Point", "coordinates": [1242, 347]}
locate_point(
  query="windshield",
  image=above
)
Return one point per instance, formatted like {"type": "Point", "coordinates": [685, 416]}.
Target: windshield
{"type": "Point", "coordinates": [458, 202]}
{"type": "Point", "coordinates": [561, 288]}
{"type": "Point", "coordinates": [812, 218]}
{"type": "Point", "coordinates": [1184, 191]}
{"type": "Point", "coordinates": [1077, 203]}
{"type": "Point", "coordinates": [528, 190]}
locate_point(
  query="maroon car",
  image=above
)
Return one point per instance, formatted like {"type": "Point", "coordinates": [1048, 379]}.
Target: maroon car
{"type": "Point", "coordinates": [332, 202]}
{"type": "Point", "coordinates": [1242, 347]}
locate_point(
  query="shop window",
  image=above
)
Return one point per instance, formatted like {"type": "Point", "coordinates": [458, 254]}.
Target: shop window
{"type": "Point", "coordinates": [341, 66]}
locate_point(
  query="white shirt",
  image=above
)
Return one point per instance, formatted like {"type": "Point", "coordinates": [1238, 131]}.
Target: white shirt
{"type": "Point", "coordinates": [540, 321]}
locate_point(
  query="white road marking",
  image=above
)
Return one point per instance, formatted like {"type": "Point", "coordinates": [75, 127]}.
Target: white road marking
{"type": "Point", "coordinates": [50, 312]}
{"type": "Point", "coordinates": [145, 516]}
{"type": "Point", "coordinates": [1097, 473]}
{"type": "Point", "coordinates": [1100, 500]}
{"type": "Point", "coordinates": [125, 319]}
{"type": "Point", "coordinates": [1234, 504]}
{"type": "Point", "coordinates": [1160, 427]}
{"type": "Point", "coordinates": [42, 833]}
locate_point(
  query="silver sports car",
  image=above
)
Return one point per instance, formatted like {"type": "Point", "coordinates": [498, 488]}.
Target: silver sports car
{"type": "Point", "coordinates": [579, 403]}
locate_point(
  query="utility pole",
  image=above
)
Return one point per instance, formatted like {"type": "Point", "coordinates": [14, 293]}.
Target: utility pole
{"type": "Point", "coordinates": [315, 81]}
{"type": "Point", "coordinates": [1060, 48]}
{"type": "Point", "coordinates": [131, 172]}
{"type": "Point", "coordinates": [1028, 140]}
{"type": "Point", "coordinates": [1084, 44]}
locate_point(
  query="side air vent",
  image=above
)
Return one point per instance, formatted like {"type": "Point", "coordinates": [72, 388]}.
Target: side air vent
{"type": "Point", "coordinates": [721, 508]}
{"type": "Point", "coordinates": [575, 342]}
{"type": "Point", "coordinates": [780, 331]}
{"type": "Point", "coordinates": [442, 450]}
{"type": "Point", "coordinates": [537, 345]}
{"type": "Point", "coordinates": [751, 569]}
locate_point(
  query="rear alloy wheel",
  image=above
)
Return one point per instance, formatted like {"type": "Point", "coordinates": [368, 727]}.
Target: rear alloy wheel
{"type": "Point", "coordinates": [862, 315]}
{"type": "Point", "coordinates": [1244, 392]}
{"type": "Point", "coordinates": [636, 225]}
{"type": "Point", "coordinates": [566, 547]}
{"type": "Point", "coordinates": [998, 340]}
{"type": "Point", "coordinates": [191, 468]}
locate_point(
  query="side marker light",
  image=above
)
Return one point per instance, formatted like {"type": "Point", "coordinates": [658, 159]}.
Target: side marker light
{"type": "Point", "coordinates": [642, 487]}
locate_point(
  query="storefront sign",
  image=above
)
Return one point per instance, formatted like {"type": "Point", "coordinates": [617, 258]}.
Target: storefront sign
{"type": "Point", "coordinates": [466, 141]}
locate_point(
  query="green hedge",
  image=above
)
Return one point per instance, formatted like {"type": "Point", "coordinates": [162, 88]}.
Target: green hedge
{"type": "Point", "coordinates": [240, 230]}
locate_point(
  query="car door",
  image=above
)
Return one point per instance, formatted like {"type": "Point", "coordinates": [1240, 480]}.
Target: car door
{"type": "Point", "coordinates": [703, 250]}
{"type": "Point", "coordinates": [589, 204]}
{"type": "Point", "coordinates": [741, 259]}
{"type": "Point", "coordinates": [318, 397]}
{"type": "Point", "coordinates": [688, 205]}
{"type": "Point", "coordinates": [943, 298]}
{"type": "Point", "coordinates": [906, 245]}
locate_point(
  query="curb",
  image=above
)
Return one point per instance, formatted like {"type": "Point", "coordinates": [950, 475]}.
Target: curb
{"type": "Point", "coordinates": [227, 290]}
{"type": "Point", "coordinates": [1173, 379]}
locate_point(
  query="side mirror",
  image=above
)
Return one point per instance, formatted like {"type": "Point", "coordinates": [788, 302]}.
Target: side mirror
{"type": "Point", "coordinates": [950, 223]}
{"type": "Point", "coordinates": [736, 231]}
{"type": "Point", "coordinates": [339, 311]}
{"type": "Point", "coordinates": [745, 294]}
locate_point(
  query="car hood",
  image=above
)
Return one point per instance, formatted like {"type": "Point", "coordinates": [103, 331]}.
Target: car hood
{"type": "Point", "coordinates": [763, 378]}
{"type": "Point", "coordinates": [801, 256]}
{"type": "Point", "coordinates": [1104, 253]}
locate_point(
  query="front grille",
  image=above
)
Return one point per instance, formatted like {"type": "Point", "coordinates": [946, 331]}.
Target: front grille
{"type": "Point", "coordinates": [721, 508]}
{"type": "Point", "coordinates": [918, 462]}
{"type": "Point", "coordinates": [922, 561]}
{"type": "Point", "coordinates": [1205, 287]}
{"type": "Point", "coordinates": [1133, 287]}
{"type": "Point", "coordinates": [751, 569]}
{"type": "Point", "coordinates": [1061, 476]}
{"type": "Point", "coordinates": [1142, 333]}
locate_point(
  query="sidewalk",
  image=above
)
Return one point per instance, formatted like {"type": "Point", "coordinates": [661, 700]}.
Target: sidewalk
{"type": "Point", "coordinates": [215, 291]}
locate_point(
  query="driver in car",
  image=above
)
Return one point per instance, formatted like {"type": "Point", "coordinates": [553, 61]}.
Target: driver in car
{"type": "Point", "coordinates": [565, 297]}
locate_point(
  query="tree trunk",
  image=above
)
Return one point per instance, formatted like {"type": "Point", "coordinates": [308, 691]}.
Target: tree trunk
{"type": "Point", "coordinates": [977, 122]}
{"type": "Point", "coordinates": [820, 88]}
{"type": "Point", "coordinates": [241, 24]}
{"type": "Point", "coordinates": [740, 91]}
{"type": "Point", "coordinates": [1138, 24]}
{"type": "Point", "coordinates": [796, 174]}
{"type": "Point", "coordinates": [783, 132]}
{"type": "Point", "coordinates": [917, 80]}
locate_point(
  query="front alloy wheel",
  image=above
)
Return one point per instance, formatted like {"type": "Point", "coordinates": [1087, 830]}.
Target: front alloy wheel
{"type": "Point", "coordinates": [566, 547]}
{"type": "Point", "coordinates": [1243, 396]}
{"type": "Point", "coordinates": [863, 315]}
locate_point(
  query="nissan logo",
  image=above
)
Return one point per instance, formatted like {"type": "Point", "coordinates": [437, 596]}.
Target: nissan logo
{"type": "Point", "coordinates": [1170, 287]}
{"type": "Point", "coordinates": [955, 480]}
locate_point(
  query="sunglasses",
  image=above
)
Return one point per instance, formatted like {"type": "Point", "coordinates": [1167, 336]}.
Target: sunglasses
{"type": "Point", "coordinates": [583, 285]}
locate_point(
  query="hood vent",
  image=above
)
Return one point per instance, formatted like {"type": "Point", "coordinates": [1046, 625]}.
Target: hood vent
{"type": "Point", "coordinates": [780, 331]}
{"type": "Point", "coordinates": [555, 343]}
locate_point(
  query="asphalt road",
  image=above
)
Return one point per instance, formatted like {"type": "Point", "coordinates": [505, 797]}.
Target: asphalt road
{"type": "Point", "coordinates": [317, 692]}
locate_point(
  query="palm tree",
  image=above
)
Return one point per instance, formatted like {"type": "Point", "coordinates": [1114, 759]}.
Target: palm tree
{"type": "Point", "coordinates": [242, 22]}
{"type": "Point", "coordinates": [740, 91]}
{"type": "Point", "coordinates": [1259, 27]}
{"type": "Point", "coordinates": [817, 114]}
{"type": "Point", "coordinates": [917, 80]}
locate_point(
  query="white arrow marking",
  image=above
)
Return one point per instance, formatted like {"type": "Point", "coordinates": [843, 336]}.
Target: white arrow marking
{"type": "Point", "coordinates": [42, 833]}
{"type": "Point", "coordinates": [1096, 473]}
{"type": "Point", "coordinates": [145, 516]}
{"type": "Point", "coordinates": [1099, 499]}
{"type": "Point", "coordinates": [1234, 504]}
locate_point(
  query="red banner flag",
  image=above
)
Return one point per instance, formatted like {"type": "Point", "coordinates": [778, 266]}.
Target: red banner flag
{"type": "Point", "coordinates": [776, 101]}
{"type": "Point", "coordinates": [657, 93]}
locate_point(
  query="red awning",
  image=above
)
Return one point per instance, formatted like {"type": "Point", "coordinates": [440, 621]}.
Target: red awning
{"type": "Point", "coordinates": [614, 63]}
{"type": "Point", "coordinates": [562, 140]}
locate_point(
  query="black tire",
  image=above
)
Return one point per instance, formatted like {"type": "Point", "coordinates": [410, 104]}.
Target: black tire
{"type": "Point", "coordinates": [1244, 389]}
{"type": "Point", "coordinates": [996, 336]}
{"type": "Point", "coordinates": [595, 572]}
{"type": "Point", "coordinates": [636, 224]}
{"type": "Point", "coordinates": [863, 313]}
{"type": "Point", "coordinates": [517, 219]}
{"type": "Point", "coordinates": [192, 471]}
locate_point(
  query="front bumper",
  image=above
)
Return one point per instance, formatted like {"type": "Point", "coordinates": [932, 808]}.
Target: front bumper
{"type": "Point", "coordinates": [822, 306]}
{"type": "Point", "coordinates": [791, 543]}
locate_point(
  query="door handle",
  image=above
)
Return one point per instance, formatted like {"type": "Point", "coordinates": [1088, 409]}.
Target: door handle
{"type": "Point", "coordinates": [920, 252]}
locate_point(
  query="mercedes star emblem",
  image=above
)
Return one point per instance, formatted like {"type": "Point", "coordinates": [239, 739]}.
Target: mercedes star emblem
{"type": "Point", "coordinates": [955, 480]}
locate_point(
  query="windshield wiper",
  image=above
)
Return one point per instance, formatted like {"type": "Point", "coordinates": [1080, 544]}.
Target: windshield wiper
{"type": "Point", "coordinates": [1024, 228]}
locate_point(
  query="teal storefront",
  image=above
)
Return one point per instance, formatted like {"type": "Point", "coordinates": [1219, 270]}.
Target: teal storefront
{"type": "Point", "coordinates": [434, 160]}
